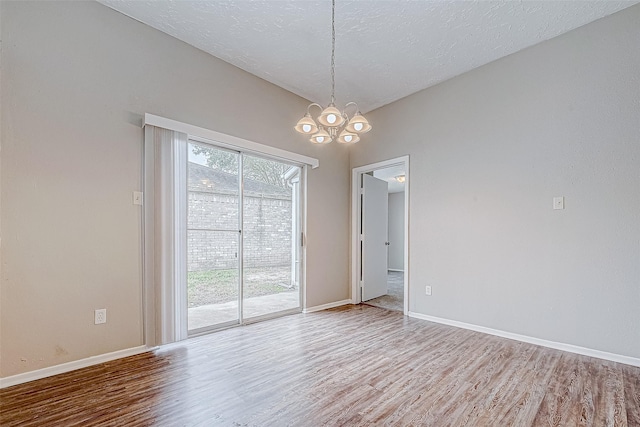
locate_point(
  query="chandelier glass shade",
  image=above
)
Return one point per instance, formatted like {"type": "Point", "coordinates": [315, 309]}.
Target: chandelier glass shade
{"type": "Point", "coordinates": [333, 124]}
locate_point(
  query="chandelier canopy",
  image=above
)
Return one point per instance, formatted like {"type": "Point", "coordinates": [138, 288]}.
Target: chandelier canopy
{"type": "Point", "coordinates": [333, 123]}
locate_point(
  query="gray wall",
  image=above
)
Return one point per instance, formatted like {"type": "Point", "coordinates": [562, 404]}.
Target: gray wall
{"type": "Point", "coordinates": [396, 231]}
{"type": "Point", "coordinates": [488, 152]}
{"type": "Point", "coordinates": [77, 78]}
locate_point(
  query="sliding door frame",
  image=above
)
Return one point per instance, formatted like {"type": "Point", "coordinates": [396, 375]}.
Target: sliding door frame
{"type": "Point", "coordinates": [182, 309]}
{"type": "Point", "coordinates": [154, 315]}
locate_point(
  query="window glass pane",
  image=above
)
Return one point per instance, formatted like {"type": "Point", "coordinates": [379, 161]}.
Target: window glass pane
{"type": "Point", "coordinates": [270, 222]}
{"type": "Point", "coordinates": [212, 237]}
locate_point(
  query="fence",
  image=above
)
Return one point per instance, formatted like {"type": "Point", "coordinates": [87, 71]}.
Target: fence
{"type": "Point", "coordinates": [267, 231]}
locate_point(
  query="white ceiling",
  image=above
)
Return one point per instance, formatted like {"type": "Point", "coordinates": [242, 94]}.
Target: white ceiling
{"type": "Point", "coordinates": [385, 50]}
{"type": "Point", "coordinates": [389, 174]}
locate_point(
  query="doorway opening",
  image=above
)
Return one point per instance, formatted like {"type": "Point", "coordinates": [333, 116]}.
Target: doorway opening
{"type": "Point", "coordinates": [380, 231]}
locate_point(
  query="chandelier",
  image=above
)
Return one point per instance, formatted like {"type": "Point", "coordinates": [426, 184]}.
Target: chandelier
{"type": "Point", "coordinates": [333, 123]}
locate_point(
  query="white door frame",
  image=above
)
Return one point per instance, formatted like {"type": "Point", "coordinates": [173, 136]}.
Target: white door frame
{"type": "Point", "coordinates": [356, 208]}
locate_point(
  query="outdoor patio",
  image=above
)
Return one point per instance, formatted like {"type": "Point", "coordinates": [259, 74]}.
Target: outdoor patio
{"type": "Point", "coordinates": [212, 314]}
{"type": "Point", "coordinates": [213, 294]}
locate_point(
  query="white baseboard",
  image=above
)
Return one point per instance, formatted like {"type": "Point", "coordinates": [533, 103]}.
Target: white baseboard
{"type": "Point", "coordinates": [70, 366]}
{"type": "Point", "coordinates": [396, 269]}
{"type": "Point", "coordinates": [327, 306]}
{"type": "Point", "coordinates": [627, 360]}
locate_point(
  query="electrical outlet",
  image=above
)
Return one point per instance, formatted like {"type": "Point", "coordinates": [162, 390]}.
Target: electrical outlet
{"type": "Point", "coordinates": [558, 203]}
{"type": "Point", "coordinates": [101, 316]}
{"type": "Point", "coordinates": [428, 290]}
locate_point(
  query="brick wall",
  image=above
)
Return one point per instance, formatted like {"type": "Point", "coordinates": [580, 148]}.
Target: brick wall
{"type": "Point", "coordinates": [267, 231]}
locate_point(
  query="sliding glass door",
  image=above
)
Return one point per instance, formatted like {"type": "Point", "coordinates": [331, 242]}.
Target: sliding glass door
{"type": "Point", "coordinates": [271, 249]}
{"type": "Point", "coordinates": [213, 237]}
{"type": "Point", "coordinates": [243, 238]}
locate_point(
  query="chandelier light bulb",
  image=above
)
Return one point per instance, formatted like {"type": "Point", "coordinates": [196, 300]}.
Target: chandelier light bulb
{"type": "Point", "coordinates": [331, 117]}
{"type": "Point", "coordinates": [346, 137]}
{"type": "Point", "coordinates": [358, 124]}
{"type": "Point", "coordinates": [322, 137]}
{"type": "Point", "coordinates": [306, 125]}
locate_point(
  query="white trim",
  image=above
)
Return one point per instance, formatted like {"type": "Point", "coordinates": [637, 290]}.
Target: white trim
{"type": "Point", "coordinates": [71, 366]}
{"type": "Point", "coordinates": [355, 236]}
{"type": "Point", "coordinates": [355, 225]}
{"type": "Point", "coordinates": [327, 306]}
{"type": "Point", "coordinates": [228, 140]}
{"type": "Point", "coordinates": [627, 360]}
{"type": "Point", "coordinates": [303, 238]}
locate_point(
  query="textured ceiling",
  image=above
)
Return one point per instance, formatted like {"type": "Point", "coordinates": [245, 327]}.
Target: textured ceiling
{"type": "Point", "coordinates": [385, 50]}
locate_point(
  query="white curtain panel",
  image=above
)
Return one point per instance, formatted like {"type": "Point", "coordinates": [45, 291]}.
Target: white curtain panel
{"type": "Point", "coordinates": [165, 241]}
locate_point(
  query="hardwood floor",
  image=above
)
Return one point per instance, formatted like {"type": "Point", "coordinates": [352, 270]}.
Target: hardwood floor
{"type": "Point", "coordinates": [351, 366]}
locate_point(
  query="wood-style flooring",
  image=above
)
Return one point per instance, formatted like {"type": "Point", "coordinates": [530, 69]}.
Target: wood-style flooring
{"type": "Point", "coordinates": [351, 366]}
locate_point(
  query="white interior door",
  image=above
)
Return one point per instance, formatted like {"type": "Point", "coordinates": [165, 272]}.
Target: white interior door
{"type": "Point", "coordinates": [375, 212]}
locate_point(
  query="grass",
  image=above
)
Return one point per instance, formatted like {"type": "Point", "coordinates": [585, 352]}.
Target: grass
{"type": "Point", "coordinates": [219, 286]}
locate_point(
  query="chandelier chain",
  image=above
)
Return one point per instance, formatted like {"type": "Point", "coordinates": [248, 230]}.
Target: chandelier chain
{"type": "Point", "coordinates": [333, 124]}
{"type": "Point", "coordinates": [333, 51]}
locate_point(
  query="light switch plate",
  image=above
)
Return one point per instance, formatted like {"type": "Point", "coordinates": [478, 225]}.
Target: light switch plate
{"type": "Point", "coordinates": [137, 198]}
{"type": "Point", "coordinates": [558, 203]}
